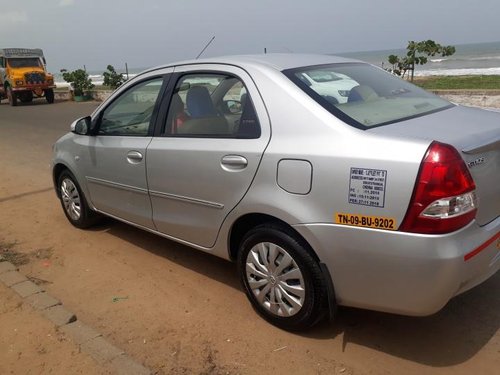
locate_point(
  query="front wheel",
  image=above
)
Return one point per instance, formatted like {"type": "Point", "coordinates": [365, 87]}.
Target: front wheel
{"type": "Point", "coordinates": [73, 202]}
{"type": "Point", "coordinates": [281, 278]}
{"type": "Point", "coordinates": [49, 96]}
{"type": "Point", "coordinates": [12, 96]}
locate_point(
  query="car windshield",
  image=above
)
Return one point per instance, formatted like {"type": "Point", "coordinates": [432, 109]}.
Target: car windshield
{"type": "Point", "coordinates": [24, 62]}
{"type": "Point", "coordinates": [365, 96]}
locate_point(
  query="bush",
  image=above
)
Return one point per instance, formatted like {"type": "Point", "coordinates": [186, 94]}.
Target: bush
{"type": "Point", "coordinates": [112, 78]}
{"type": "Point", "coordinates": [417, 54]}
{"type": "Point", "coordinates": [79, 80]}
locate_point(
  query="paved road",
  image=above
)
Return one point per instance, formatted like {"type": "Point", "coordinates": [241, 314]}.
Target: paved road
{"type": "Point", "coordinates": [182, 311]}
{"type": "Point", "coordinates": [40, 124]}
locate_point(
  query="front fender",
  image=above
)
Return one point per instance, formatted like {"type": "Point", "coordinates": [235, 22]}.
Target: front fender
{"type": "Point", "coordinates": [62, 160]}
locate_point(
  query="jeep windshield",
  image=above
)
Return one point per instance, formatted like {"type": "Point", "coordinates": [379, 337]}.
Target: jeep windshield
{"type": "Point", "coordinates": [24, 62]}
{"type": "Point", "coordinates": [379, 98]}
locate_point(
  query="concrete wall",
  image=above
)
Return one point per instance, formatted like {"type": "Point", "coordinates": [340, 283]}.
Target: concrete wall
{"type": "Point", "coordinates": [98, 95]}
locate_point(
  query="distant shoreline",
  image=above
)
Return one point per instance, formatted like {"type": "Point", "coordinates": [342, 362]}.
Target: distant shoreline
{"type": "Point", "coordinates": [98, 81]}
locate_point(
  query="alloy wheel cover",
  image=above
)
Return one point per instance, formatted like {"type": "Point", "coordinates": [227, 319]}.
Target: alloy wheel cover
{"type": "Point", "coordinates": [275, 279]}
{"type": "Point", "coordinates": [71, 199]}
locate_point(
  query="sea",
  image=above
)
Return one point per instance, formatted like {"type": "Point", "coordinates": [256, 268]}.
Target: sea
{"type": "Point", "coordinates": [469, 59]}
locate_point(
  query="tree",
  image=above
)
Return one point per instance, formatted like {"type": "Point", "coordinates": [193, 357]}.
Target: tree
{"type": "Point", "coordinates": [79, 79]}
{"type": "Point", "coordinates": [112, 78]}
{"type": "Point", "coordinates": [417, 54]}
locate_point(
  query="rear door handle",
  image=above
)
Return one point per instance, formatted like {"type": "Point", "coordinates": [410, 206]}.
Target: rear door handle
{"type": "Point", "coordinates": [134, 157]}
{"type": "Point", "coordinates": [234, 162]}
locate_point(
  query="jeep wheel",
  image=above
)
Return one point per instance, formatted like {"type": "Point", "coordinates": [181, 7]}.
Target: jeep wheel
{"type": "Point", "coordinates": [49, 95]}
{"type": "Point", "coordinates": [12, 96]}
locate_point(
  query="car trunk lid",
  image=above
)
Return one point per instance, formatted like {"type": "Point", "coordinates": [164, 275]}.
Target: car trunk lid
{"type": "Point", "coordinates": [475, 133]}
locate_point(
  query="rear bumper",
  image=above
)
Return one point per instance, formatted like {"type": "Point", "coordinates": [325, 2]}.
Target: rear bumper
{"type": "Point", "coordinates": [404, 273]}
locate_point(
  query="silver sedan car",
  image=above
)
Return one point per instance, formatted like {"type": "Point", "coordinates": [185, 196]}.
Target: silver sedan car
{"type": "Point", "coordinates": [387, 200]}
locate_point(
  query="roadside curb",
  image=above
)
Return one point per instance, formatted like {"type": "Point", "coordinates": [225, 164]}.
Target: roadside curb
{"type": "Point", "coordinates": [85, 337]}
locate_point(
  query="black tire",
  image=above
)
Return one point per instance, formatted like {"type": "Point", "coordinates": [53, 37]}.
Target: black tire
{"type": "Point", "coordinates": [49, 96]}
{"type": "Point", "coordinates": [12, 96]}
{"type": "Point", "coordinates": [68, 187]}
{"type": "Point", "coordinates": [313, 301]}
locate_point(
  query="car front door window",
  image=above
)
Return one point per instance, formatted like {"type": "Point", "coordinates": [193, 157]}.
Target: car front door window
{"type": "Point", "coordinates": [131, 113]}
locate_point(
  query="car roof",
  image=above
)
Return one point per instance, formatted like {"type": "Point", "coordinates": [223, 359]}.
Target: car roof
{"type": "Point", "coordinates": [277, 61]}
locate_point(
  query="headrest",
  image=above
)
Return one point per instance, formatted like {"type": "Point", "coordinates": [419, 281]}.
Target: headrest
{"type": "Point", "coordinates": [362, 93]}
{"type": "Point", "coordinates": [199, 103]}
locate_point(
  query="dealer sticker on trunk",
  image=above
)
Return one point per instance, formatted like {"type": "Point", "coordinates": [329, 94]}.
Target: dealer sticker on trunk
{"type": "Point", "coordinates": [367, 187]}
{"type": "Point", "coordinates": [356, 220]}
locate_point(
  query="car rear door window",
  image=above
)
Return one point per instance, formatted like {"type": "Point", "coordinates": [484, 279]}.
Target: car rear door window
{"type": "Point", "coordinates": [211, 105]}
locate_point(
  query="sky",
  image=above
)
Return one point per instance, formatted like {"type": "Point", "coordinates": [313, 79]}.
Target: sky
{"type": "Point", "coordinates": [146, 33]}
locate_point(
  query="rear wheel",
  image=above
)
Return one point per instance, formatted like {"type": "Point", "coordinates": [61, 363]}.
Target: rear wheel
{"type": "Point", "coordinates": [12, 96]}
{"type": "Point", "coordinates": [49, 96]}
{"type": "Point", "coordinates": [73, 202]}
{"type": "Point", "coordinates": [281, 278]}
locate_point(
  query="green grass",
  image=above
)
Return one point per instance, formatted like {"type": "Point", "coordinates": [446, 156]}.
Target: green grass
{"type": "Point", "coordinates": [459, 82]}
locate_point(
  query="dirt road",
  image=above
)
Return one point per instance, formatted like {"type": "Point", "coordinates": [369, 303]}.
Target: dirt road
{"type": "Point", "coordinates": [181, 311]}
{"type": "Point", "coordinates": [30, 344]}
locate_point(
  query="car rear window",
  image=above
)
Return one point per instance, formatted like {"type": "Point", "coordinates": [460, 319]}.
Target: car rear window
{"type": "Point", "coordinates": [363, 95]}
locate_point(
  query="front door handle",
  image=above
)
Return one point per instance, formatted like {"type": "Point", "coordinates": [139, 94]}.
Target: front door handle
{"type": "Point", "coordinates": [234, 162]}
{"type": "Point", "coordinates": [134, 157]}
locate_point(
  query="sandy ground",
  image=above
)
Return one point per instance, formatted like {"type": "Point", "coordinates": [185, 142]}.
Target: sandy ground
{"type": "Point", "coordinates": [179, 311]}
{"type": "Point", "coordinates": [478, 100]}
{"type": "Point", "coordinates": [29, 344]}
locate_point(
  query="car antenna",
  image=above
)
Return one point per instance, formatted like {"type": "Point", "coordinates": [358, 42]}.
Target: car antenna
{"type": "Point", "coordinates": [204, 48]}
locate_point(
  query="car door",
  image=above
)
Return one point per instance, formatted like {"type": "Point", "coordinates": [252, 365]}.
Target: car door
{"type": "Point", "coordinates": [115, 157]}
{"type": "Point", "coordinates": [207, 151]}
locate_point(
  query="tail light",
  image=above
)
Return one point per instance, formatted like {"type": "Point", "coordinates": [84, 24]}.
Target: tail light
{"type": "Point", "coordinates": [444, 198]}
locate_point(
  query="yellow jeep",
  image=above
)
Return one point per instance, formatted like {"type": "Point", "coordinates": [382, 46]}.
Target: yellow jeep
{"type": "Point", "coordinates": [23, 76]}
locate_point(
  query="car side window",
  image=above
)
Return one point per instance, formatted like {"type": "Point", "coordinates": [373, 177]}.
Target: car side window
{"type": "Point", "coordinates": [130, 114]}
{"type": "Point", "coordinates": [213, 106]}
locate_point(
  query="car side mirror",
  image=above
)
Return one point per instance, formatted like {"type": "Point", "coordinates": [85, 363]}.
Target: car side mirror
{"type": "Point", "coordinates": [81, 126]}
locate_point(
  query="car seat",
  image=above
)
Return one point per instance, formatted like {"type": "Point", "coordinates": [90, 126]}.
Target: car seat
{"type": "Point", "coordinates": [361, 93]}
{"type": "Point", "coordinates": [177, 115]}
{"type": "Point", "coordinates": [199, 103]}
{"type": "Point", "coordinates": [203, 117]}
